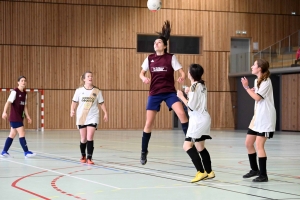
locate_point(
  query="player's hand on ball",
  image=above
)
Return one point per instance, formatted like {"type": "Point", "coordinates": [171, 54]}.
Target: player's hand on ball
{"type": "Point", "coordinates": [146, 80]}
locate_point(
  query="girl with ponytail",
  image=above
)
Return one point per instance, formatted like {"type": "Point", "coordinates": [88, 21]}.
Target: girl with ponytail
{"type": "Point", "coordinates": [161, 66]}
{"type": "Point", "coordinates": [262, 125]}
{"type": "Point", "coordinates": [199, 123]}
{"type": "Point", "coordinates": [85, 105]}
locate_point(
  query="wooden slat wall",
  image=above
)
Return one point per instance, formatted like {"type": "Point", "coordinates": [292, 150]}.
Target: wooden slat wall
{"type": "Point", "coordinates": [290, 102]}
{"type": "Point", "coordinates": [53, 42]}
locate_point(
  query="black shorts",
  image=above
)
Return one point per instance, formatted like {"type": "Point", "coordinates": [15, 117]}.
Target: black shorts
{"type": "Point", "coordinates": [263, 134]}
{"type": "Point", "coordinates": [84, 126]}
{"type": "Point", "coordinates": [202, 138]}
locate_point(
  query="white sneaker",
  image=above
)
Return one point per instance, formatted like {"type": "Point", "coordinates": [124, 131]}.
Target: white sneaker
{"type": "Point", "coordinates": [5, 154]}
{"type": "Point", "coordinates": [29, 154]}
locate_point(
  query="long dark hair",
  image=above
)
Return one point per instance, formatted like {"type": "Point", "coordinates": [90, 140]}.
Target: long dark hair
{"type": "Point", "coordinates": [264, 65]}
{"type": "Point", "coordinates": [196, 72]}
{"type": "Point", "coordinates": [165, 33]}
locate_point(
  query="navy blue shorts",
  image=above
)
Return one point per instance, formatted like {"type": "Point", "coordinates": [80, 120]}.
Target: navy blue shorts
{"type": "Point", "coordinates": [16, 124]}
{"type": "Point", "coordinates": [263, 134]}
{"type": "Point", "coordinates": [155, 101]}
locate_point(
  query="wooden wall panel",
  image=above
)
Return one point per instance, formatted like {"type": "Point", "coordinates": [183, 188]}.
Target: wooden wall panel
{"type": "Point", "coordinates": [253, 6]}
{"type": "Point", "coordinates": [52, 42]}
{"type": "Point", "coordinates": [126, 110]}
{"type": "Point", "coordinates": [220, 107]}
{"type": "Point", "coordinates": [114, 69]}
{"type": "Point", "coordinates": [116, 27]}
{"type": "Point", "coordinates": [290, 107]}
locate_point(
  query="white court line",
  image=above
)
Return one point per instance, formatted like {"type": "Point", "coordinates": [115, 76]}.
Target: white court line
{"type": "Point", "coordinates": [56, 172]}
{"type": "Point", "coordinates": [204, 183]}
{"type": "Point", "coordinates": [120, 166]}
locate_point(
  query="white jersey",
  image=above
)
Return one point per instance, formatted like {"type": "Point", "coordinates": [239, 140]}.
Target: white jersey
{"type": "Point", "coordinates": [199, 118]}
{"type": "Point", "coordinates": [87, 111]}
{"type": "Point", "coordinates": [264, 119]}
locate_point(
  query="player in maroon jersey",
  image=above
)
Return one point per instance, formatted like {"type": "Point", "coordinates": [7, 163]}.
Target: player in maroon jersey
{"type": "Point", "coordinates": [162, 66]}
{"type": "Point", "coordinates": [17, 100]}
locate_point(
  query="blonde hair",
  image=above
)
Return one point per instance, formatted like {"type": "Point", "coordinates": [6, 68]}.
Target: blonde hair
{"type": "Point", "coordinates": [264, 65]}
{"type": "Point", "coordinates": [82, 77]}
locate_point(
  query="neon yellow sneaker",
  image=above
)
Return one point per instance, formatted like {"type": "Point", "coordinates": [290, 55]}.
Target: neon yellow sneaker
{"type": "Point", "coordinates": [199, 176]}
{"type": "Point", "coordinates": [211, 175]}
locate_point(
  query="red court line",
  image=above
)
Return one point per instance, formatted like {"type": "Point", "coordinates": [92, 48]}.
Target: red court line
{"type": "Point", "coordinates": [14, 184]}
{"type": "Point", "coordinates": [53, 184]}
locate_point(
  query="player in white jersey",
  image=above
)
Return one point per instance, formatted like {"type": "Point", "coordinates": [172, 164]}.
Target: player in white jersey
{"type": "Point", "coordinates": [199, 123]}
{"type": "Point", "coordinates": [87, 97]}
{"type": "Point", "coordinates": [262, 125]}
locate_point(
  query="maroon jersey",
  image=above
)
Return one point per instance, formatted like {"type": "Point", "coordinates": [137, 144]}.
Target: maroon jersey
{"type": "Point", "coordinates": [162, 74]}
{"type": "Point", "coordinates": [17, 106]}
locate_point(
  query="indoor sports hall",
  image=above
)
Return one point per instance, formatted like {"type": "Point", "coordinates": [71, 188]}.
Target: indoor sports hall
{"type": "Point", "coordinates": [49, 48]}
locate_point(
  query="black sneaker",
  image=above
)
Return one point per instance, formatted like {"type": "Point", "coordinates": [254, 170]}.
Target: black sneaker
{"type": "Point", "coordinates": [144, 158]}
{"type": "Point", "coordinates": [251, 174]}
{"type": "Point", "coordinates": [261, 178]}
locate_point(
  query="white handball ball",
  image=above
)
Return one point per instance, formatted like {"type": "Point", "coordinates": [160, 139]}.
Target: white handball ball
{"type": "Point", "coordinates": [154, 5]}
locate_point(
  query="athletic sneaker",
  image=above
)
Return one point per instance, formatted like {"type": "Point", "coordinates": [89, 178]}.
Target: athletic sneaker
{"type": "Point", "coordinates": [5, 154]}
{"type": "Point", "coordinates": [29, 154]}
{"type": "Point", "coordinates": [251, 174]}
{"type": "Point", "coordinates": [210, 175]}
{"type": "Point", "coordinates": [89, 161]}
{"type": "Point", "coordinates": [143, 159]}
{"type": "Point", "coordinates": [261, 178]}
{"type": "Point", "coordinates": [83, 159]}
{"type": "Point", "coordinates": [199, 176]}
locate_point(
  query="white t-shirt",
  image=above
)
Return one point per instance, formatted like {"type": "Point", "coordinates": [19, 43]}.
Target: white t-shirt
{"type": "Point", "coordinates": [264, 119]}
{"type": "Point", "coordinates": [175, 64]}
{"type": "Point", "coordinates": [87, 111]}
{"type": "Point", "coordinates": [199, 121]}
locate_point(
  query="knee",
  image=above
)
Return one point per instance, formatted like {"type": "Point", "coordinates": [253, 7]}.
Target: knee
{"type": "Point", "coordinates": [200, 148]}
{"type": "Point", "coordinates": [12, 135]}
{"type": "Point", "coordinates": [249, 145]}
{"type": "Point", "coordinates": [84, 139]}
{"type": "Point", "coordinates": [186, 146]}
{"type": "Point", "coordinates": [148, 124]}
{"type": "Point", "coordinates": [260, 147]}
{"type": "Point", "coordinates": [182, 117]}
